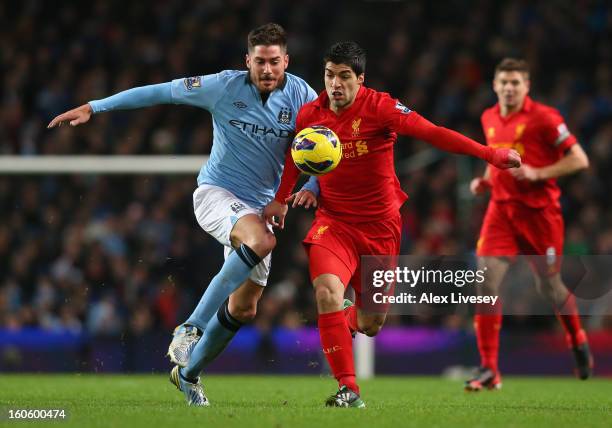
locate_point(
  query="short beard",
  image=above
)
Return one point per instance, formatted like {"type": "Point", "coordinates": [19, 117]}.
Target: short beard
{"type": "Point", "coordinates": [266, 90]}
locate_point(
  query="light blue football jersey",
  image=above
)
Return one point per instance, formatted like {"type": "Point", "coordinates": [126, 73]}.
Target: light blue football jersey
{"type": "Point", "coordinates": [250, 138]}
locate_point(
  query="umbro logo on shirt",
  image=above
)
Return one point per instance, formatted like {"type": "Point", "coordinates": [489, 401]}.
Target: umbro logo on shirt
{"type": "Point", "coordinates": [240, 105]}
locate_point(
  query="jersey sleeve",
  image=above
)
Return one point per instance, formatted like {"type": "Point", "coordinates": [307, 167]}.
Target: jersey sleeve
{"type": "Point", "coordinates": [555, 132]}
{"type": "Point", "coordinates": [399, 118]}
{"type": "Point", "coordinates": [394, 115]}
{"type": "Point", "coordinates": [303, 94]}
{"type": "Point", "coordinates": [311, 94]}
{"type": "Point", "coordinates": [312, 185]}
{"type": "Point", "coordinates": [142, 96]}
{"type": "Point", "coordinates": [200, 91]}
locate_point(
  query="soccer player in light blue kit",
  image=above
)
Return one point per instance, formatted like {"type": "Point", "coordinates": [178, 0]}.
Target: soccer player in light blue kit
{"type": "Point", "coordinates": [253, 123]}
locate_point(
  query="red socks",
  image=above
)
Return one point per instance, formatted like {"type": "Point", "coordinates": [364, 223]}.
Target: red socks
{"type": "Point", "coordinates": [570, 320]}
{"type": "Point", "coordinates": [487, 335]}
{"type": "Point", "coordinates": [337, 345]}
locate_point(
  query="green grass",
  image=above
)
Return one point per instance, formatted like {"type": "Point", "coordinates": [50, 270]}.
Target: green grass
{"type": "Point", "coordinates": [286, 401]}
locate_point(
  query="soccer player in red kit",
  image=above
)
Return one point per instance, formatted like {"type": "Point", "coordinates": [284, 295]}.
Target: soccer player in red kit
{"type": "Point", "coordinates": [359, 201]}
{"type": "Point", "coordinates": [524, 214]}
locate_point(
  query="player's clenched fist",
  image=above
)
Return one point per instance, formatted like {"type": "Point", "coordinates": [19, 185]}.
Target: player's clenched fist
{"type": "Point", "coordinates": [75, 116]}
{"type": "Point", "coordinates": [479, 185]}
{"type": "Point", "coordinates": [505, 158]}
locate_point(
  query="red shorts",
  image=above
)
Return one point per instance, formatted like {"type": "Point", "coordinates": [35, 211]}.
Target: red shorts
{"type": "Point", "coordinates": [510, 229]}
{"type": "Point", "coordinates": [336, 247]}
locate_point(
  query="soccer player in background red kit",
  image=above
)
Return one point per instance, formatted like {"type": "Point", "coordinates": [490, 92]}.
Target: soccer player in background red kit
{"type": "Point", "coordinates": [359, 201]}
{"type": "Point", "coordinates": [524, 214]}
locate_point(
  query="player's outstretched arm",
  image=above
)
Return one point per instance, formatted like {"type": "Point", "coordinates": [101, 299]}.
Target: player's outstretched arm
{"type": "Point", "coordinates": [74, 117]}
{"type": "Point", "coordinates": [448, 140]}
{"type": "Point", "coordinates": [143, 96]}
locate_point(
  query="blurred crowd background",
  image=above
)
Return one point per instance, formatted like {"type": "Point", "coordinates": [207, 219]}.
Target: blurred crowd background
{"type": "Point", "coordinates": [115, 255]}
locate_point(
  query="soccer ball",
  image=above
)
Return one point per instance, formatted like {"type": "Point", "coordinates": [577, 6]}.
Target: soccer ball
{"type": "Point", "coordinates": [316, 150]}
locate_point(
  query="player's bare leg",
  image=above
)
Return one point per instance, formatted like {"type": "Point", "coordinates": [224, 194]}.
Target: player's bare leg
{"type": "Point", "coordinates": [553, 289]}
{"type": "Point", "coordinates": [329, 293]}
{"type": "Point", "coordinates": [495, 270]}
{"type": "Point", "coordinates": [243, 302]}
{"type": "Point", "coordinates": [564, 302]}
{"type": "Point", "coordinates": [336, 340]}
{"type": "Point", "coordinates": [252, 241]}
{"type": "Point", "coordinates": [487, 323]}
{"type": "Point", "coordinates": [251, 230]}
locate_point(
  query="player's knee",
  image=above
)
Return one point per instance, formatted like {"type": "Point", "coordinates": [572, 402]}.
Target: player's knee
{"type": "Point", "coordinates": [269, 242]}
{"type": "Point", "coordinates": [327, 294]}
{"type": "Point", "coordinates": [262, 244]}
{"type": "Point", "coordinates": [253, 232]}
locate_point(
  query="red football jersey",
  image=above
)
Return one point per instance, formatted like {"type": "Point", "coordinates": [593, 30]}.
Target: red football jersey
{"type": "Point", "coordinates": [364, 186]}
{"type": "Point", "coordinates": [539, 134]}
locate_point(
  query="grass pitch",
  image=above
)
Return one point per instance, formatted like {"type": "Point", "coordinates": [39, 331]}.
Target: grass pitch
{"type": "Point", "coordinates": [288, 401]}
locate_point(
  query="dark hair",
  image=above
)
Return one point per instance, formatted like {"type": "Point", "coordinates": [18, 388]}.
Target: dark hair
{"type": "Point", "coordinates": [513, 64]}
{"type": "Point", "coordinates": [267, 35]}
{"type": "Point", "coordinates": [348, 53]}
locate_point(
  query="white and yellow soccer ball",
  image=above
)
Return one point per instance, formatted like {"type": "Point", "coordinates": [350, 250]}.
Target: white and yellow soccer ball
{"type": "Point", "coordinates": [316, 150]}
